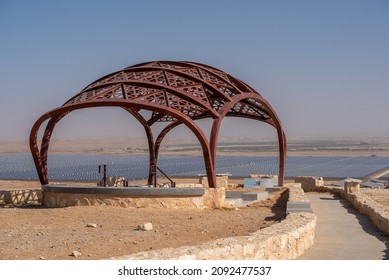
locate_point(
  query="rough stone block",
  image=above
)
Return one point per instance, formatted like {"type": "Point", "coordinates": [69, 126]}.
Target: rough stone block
{"type": "Point", "coordinates": [352, 186]}
{"type": "Point", "coordinates": [221, 181]}
{"type": "Point", "coordinates": [113, 182]}
{"type": "Point", "coordinates": [309, 183]}
{"type": "Point", "coordinates": [146, 227]}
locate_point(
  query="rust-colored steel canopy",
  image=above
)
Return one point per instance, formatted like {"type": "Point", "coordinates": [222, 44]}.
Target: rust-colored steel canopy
{"type": "Point", "coordinates": [174, 92]}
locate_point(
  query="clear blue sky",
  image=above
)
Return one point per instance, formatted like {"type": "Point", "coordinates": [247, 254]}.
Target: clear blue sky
{"type": "Point", "coordinates": [323, 65]}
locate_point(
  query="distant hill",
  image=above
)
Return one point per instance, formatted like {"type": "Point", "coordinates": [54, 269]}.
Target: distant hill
{"type": "Point", "coordinates": [233, 146]}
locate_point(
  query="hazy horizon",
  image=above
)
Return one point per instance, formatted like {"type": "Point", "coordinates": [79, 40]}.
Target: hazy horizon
{"type": "Point", "coordinates": [189, 138]}
{"type": "Point", "coordinates": [322, 65]}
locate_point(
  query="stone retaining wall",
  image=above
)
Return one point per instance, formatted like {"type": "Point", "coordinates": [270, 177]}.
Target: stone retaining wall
{"type": "Point", "coordinates": [285, 240]}
{"type": "Point", "coordinates": [20, 197]}
{"type": "Point", "coordinates": [316, 184]}
{"type": "Point", "coordinates": [377, 213]}
{"type": "Point", "coordinates": [296, 193]}
{"type": "Point", "coordinates": [212, 198]}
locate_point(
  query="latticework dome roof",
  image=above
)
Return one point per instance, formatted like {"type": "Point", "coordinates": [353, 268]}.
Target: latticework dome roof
{"type": "Point", "coordinates": [192, 89]}
{"type": "Point", "coordinates": [174, 92]}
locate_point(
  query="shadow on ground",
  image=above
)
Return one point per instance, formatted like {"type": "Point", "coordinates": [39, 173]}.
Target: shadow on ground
{"type": "Point", "coordinates": [367, 225]}
{"type": "Point", "coordinates": [279, 208]}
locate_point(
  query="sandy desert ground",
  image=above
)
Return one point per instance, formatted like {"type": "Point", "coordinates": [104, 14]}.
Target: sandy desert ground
{"type": "Point", "coordinates": [34, 232]}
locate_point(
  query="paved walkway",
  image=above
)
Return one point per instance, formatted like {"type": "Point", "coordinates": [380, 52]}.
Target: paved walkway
{"type": "Point", "coordinates": [344, 234]}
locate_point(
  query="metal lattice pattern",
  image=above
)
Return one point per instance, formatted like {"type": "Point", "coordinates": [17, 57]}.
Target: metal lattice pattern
{"type": "Point", "coordinates": [174, 92]}
{"type": "Point", "coordinates": [192, 89]}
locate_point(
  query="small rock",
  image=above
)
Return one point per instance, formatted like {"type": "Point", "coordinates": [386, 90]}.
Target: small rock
{"type": "Point", "coordinates": [41, 258]}
{"type": "Point", "coordinates": [75, 254]}
{"type": "Point", "coordinates": [92, 225]}
{"type": "Point", "coordinates": [135, 242]}
{"type": "Point", "coordinates": [145, 227]}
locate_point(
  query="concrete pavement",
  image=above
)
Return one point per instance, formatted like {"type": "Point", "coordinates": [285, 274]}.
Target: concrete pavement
{"type": "Point", "coordinates": [343, 233]}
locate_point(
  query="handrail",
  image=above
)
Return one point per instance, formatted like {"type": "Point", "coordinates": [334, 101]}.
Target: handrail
{"type": "Point", "coordinates": [173, 184]}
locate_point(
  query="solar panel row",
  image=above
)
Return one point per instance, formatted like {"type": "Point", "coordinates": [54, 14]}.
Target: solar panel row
{"type": "Point", "coordinates": [85, 167]}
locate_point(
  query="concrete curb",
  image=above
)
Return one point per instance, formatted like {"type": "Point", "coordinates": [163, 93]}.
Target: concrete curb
{"type": "Point", "coordinates": [132, 191]}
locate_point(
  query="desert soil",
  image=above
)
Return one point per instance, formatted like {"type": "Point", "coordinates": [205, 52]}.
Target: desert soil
{"type": "Point", "coordinates": [380, 196]}
{"type": "Point", "coordinates": [35, 232]}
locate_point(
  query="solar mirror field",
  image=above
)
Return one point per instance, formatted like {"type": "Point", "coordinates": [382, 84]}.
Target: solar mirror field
{"type": "Point", "coordinates": [85, 167]}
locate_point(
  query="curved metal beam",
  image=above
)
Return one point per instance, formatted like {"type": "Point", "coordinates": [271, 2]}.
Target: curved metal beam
{"type": "Point", "coordinates": [162, 135]}
{"type": "Point", "coordinates": [274, 121]}
{"type": "Point", "coordinates": [46, 140]}
{"type": "Point", "coordinates": [152, 107]}
{"type": "Point", "coordinates": [151, 85]}
{"type": "Point", "coordinates": [185, 64]}
{"type": "Point", "coordinates": [236, 81]}
{"type": "Point", "coordinates": [152, 180]}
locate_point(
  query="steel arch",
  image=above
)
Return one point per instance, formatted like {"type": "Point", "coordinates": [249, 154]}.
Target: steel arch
{"type": "Point", "coordinates": [176, 93]}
